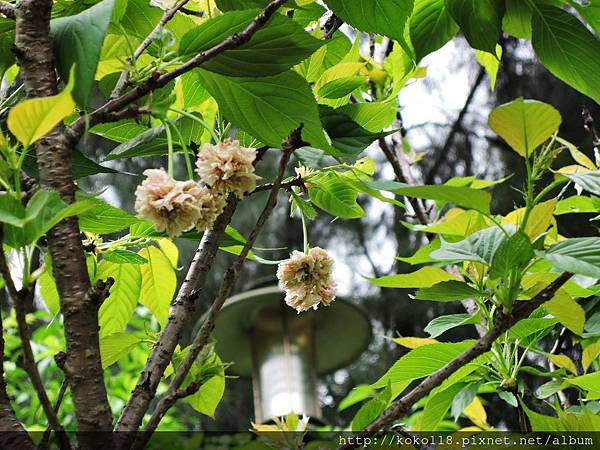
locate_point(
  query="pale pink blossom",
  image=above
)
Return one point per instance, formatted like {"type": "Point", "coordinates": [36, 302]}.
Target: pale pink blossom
{"type": "Point", "coordinates": [211, 204]}
{"type": "Point", "coordinates": [173, 206]}
{"type": "Point", "coordinates": [307, 279]}
{"type": "Point", "coordinates": [227, 167]}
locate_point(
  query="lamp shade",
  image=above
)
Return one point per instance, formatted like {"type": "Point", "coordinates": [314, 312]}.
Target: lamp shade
{"type": "Point", "coordinates": [340, 332]}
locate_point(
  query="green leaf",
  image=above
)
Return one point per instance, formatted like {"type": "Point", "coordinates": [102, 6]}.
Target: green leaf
{"type": "Point", "coordinates": [425, 277]}
{"type": "Point", "coordinates": [480, 20]}
{"type": "Point", "coordinates": [589, 181]}
{"type": "Point", "coordinates": [517, 19]}
{"type": "Point", "coordinates": [32, 119]}
{"type": "Point", "coordinates": [387, 18]}
{"type": "Point", "coordinates": [422, 361]}
{"type": "Point", "coordinates": [268, 108]}
{"type": "Point", "coordinates": [193, 92]}
{"type": "Point", "coordinates": [346, 135]}
{"type": "Point", "coordinates": [356, 395]}
{"type": "Point", "coordinates": [279, 45]}
{"type": "Point", "coordinates": [122, 256]}
{"type": "Point", "coordinates": [341, 87]}
{"type": "Point", "coordinates": [464, 399]}
{"type": "Point", "coordinates": [77, 41]}
{"type": "Point", "coordinates": [116, 311]}
{"type": "Point", "coordinates": [525, 124]}
{"type": "Point", "coordinates": [228, 5]}
{"type": "Point", "coordinates": [461, 196]}
{"type": "Point", "coordinates": [567, 49]}
{"type": "Point", "coordinates": [328, 191]}
{"type": "Point", "coordinates": [512, 255]}
{"type": "Point", "coordinates": [372, 116]}
{"type": "Point", "coordinates": [371, 409]}
{"type": "Point", "coordinates": [590, 11]}
{"type": "Point", "coordinates": [577, 255]}
{"type": "Point", "coordinates": [7, 39]}
{"type": "Point", "coordinates": [437, 406]}
{"type": "Point", "coordinates": [431, 27]}
{"type": "Point", "coordinates": [48, 290]}
{"type": "Point", "coordinates": [441, 324]}
{"type": "Point", "coordinates": [158, 283]}
{"type": "Point", "coordinates": [115, 346]}
{"type": "Point", "coordinates": [589, 382]}
{"type": "Point", "coordinates": [480, 246]}
{"type": "Point", "coordinates": [104, 218]}
{"type": "Point", "coordinates": [447, 291]}
{"type": "Point", "coordinates": [82, 166]}
{"type": "Point", "coordinates": [578, 204]}
{"type": "Point", "coordinates": [531, 330]}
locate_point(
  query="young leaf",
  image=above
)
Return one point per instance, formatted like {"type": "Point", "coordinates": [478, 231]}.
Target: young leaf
{"type": "Point", "coordinates": [480, 247]}
{"type": "Point", "coordinates": [525, 124]}
{"type": "Point", "coordinates": [480, 20]}
{"type": "Point", "coordinates": [441, 324]}
{"type": "Point", "coordinates": [115, 346]}
{"type": "Point", "coordinates": [77, 41]}
{"type": "Point", "coordinates": [328, 191]}
{"type": "Point", "coordinates": [273, 49]}
{"type": "Point", "coordinates": [567, 49]}
{"type": "Point", "coordinates": [158, 283]}
{"type": "Point", "coordinates": [268, 108]}
{"type": "Point", "coordinates": [490, 62]}
{"type": "Point", "coordinates": [425, 277]}
{"type": "Point", "coordinates": [117, 309]}
{"type": "Point", "coordinates": [513, 254]}
{"type": "Point", "coordinates": [567, 311]}
{"type": "Point", "coordinates": [32, 119]}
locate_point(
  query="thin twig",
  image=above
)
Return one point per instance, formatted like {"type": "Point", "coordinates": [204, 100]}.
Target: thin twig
{"type": "Point", "coordinates": [230, 279]}
{"type": "Point", "coordinates": [288, 185]}
{"type": "Point", "coordinates": [166, 17]}
{"type": "Point", "coordinates": [503, 323]}
{"type": "Point", "coordinates": [156, 80]}
{"type": "Point", "coordinates": [59, 398]}
{"type": "Point", "coordinates": [19, 299]}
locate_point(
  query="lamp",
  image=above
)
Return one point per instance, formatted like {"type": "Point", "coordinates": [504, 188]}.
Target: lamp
{"type": "Point", "coordinates": [284, 352]}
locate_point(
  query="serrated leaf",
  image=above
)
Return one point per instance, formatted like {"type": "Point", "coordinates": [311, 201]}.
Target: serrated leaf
{"type": "Point", "coordinates": [431, 26]}
{"type": "Point", "coordinates": [32, 119]}
{"type": "Point", "coordinates": [372, 409]}
{"type": "Point", "coordinates": [117, 309]}
{"type": "Point", "coordinates": [158, 283]}
{"type": "Point", "coordinates": [329, 192]}
{"type": "Point", "coordinates": [564, 362]}
{"type": "Point", "coordinates": [441, 324]}
{"type": "Point", "coordinates": [480, 247]}
{"type": "Point", "coordinates": [274, 48]}
{"type": "Point", "coordinates": [567, 48]}
{"type": "Point", "coordinates": [414, 342]}
{"type": "Point", "coordinates": [525, 124]}
{"type": "Point", "coordinates": [513, 254]}
{"type": "Point", "coordinates": [268, 108]}
{"type": "Point", "coordinates": [122, 256]}
{"type": "Point", "coordinates": [115, 346]}
{"type": "Point", "coordinates": [567, 311]}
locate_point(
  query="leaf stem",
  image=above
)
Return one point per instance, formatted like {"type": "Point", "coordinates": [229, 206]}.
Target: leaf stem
{"type": "Point", "coordinates": [169, 147]}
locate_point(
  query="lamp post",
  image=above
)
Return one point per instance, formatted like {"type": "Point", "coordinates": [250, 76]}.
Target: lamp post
{"type": "Point", "coordinates": [284, 352]}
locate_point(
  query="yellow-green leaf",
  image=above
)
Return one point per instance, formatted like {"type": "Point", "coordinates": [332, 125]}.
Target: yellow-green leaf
{"type": "Point", "coordinates": [158, 283]}
{"type": "Point", "coordinates": [567, 311]}
{"type": "Point", "coordinates": [563, 361]}
{"type": "Point", "coordinates": [414, 342]}
{"type": "Point", "coordinates": [490, 62]}
{"type": "Point", "coordinates": [590, 353]}
{"type": "Point", "coordinates": [422, 278]}
{"type": "Point", "coordinates": [32, 119]}
{"type": "Point", "coordinates": [525, 124]}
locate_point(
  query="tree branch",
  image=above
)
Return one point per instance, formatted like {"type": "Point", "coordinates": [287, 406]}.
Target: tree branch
{"type": "Point", "coordinates": [456, 126]}
{"type": "Point", "coordinates": [7, 10]}
{"type": "Point", "coordinates": [166, 17]}
{"type": "Point", "coordinates": [12, 433]}
{"type": "Point", "coordinates": [503, 323]}
{"type": "Point", "coordinates": [288, 185]}
{"type": "Point", "coordinates": [34, 51]}
{"type": "Point", "coordinates": [156, 80]}
{"type": "Point", "coordinates": [230, 279]}
{"type": "Point", "coordinates": [19, 300]}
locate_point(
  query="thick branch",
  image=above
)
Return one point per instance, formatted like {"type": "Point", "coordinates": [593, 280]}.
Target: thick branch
{"type": "Point", "coordinates": [28, 359]}
{"type": "Point", "coordinates": [229, 281]}
{"type": "Point", "coordinates": [167, 15]}
{"type": "Point", "coordinates": [34, 51]}
{"type": "Point", "coordinates": [157, 80]}
{"type": "Point", "coordinates": [182, 310]}
{"type": "Point", "coordinates": [503, 323]}
{"type": "Point", "coordinates": [7, 10]}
